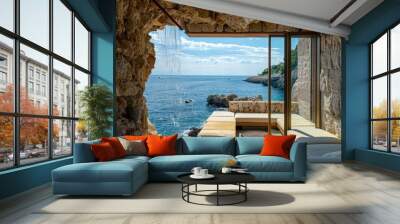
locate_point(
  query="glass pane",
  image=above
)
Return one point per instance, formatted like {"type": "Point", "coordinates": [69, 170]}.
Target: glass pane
{"type": "Point", "coordinates": [395, 94]}
{"type": "Point", "coordinates": [379, 97]}
{"type": "Point", "coordinates": [62, 138]}
{"type": "Point", "coordinates": [379, 55]}
{"type": "Point", "coordinates": [278, 73]}
{"type": "Point", "coordinates": [34, 97]}
{"type": "Point", "coordinates": [33, 139]}
{"type": "Point", "coordinates": [7, 14]}
{"type": "Point", "coordinates": [62, 89]}
{"type": "Point", "coordinates": [395, 47]}
{"type": "Point", "coordinates": [62, 29]}
{"type": "Point", "coordinates": [6, 142]}
{"type": "Point", "coordinates": [81, 131]}
{"type": "Point", "coordinates": [81, 45]}
{"type": "Point", "coordinates": [379, 135]}
{"type": "Point", "coordinates": [395, 138]}
{"type": "Point", "coordinates": [6, 74]}
{"type": "Point", "coordinates": [301, 82]}
{"type": "Point", "coordinates": [81, 81]}
{"type": "Point", "coordinates": [35, 21]}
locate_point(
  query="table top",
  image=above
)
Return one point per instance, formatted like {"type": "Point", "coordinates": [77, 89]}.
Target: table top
{"type": "Point", "coordinates": [220, 178]}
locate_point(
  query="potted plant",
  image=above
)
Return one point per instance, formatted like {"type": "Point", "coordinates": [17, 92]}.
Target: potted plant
{"type": "Point", "coordinates": [96, 103]}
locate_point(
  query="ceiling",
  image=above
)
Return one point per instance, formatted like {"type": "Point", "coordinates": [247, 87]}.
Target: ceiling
{"type": "Point", "coordinates": [316, 15]}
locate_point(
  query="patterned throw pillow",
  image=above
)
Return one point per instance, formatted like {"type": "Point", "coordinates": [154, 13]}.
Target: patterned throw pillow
{"type": "Point", "coordinates": [135, 147]}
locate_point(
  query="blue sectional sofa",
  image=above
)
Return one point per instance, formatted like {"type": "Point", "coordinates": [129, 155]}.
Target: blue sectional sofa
{"type": "Point", "coordinates": [125, 176]}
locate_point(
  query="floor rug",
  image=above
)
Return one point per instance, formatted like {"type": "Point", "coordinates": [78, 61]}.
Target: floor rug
{"type": "Point", "coordinates": [167, 198]}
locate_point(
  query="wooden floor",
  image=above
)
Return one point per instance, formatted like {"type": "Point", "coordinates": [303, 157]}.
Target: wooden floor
{"type": "Point", "coordinates": [378, 189]}
{"type": "Point", "coordinates": [224, 123]}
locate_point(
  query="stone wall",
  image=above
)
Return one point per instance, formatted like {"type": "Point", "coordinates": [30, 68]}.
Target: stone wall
{"type": "Point", "coordinates": [330, 83]}
{"type": "Point", "coordinates": [259, 107]}
{"type": "Point", "coordinates": [301, 90]}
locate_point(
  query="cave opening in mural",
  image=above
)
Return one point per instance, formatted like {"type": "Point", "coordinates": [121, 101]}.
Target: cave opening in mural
{"type": "Point", "coordinates": [195, 76]}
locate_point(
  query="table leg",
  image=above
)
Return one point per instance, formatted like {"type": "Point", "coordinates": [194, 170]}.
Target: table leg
{"type": "Point", "coordinates": [245, 193]}
{"type": "Point", "coordinates": [195, 188]}
{"type": "Point", "coordinates": [217, 194]}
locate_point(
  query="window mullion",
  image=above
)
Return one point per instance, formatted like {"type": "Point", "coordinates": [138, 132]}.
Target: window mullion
{"type": "Point", "coordinates": [389, 101]}
{"type": "Point", "coordinates": [16, 70]}
{"type": "Point", "coordinates": [73, 82]}
{"type": "Point", "coordinates": [50, 81]}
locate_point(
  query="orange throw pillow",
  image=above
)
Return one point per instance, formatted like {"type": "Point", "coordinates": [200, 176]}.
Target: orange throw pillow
{"type": "Point", "coordinates": [161, 145]}
{"type": "Point", "coordinates": [135, 137]}
{"type": "Point", "coordinates": [116, 145]}
{"type": "Point", "coordinates": [103, 152]}
{"type": "Point", "coordinates": [277, 145]}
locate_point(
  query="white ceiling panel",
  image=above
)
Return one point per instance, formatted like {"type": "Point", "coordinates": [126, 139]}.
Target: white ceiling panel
{"type": "Point", "coordinates": [314, 15]}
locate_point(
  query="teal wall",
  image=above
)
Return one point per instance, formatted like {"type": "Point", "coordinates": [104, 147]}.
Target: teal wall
{"type": "Point", "coordinates": [356, 82]}
{"type": "Point", "coordinates": [103, 51]}
{"type": "Point", "coordinates": [99, 15]}
{"type": "Point", "coordinates": [24, 178]}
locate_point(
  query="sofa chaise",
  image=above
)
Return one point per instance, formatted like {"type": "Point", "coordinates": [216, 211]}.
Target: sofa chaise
{"type": "Point", "coordinates": [125, 176]}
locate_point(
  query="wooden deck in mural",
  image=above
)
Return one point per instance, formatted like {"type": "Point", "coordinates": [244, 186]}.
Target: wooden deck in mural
{"type": "Point", "coordinates": [225, 123]}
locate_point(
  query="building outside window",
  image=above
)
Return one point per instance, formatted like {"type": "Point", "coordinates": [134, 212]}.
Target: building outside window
{"type": "Point", "coordinates": [30, 87]}
{"type": "Point", "coordinates": [385, 92]}
{"type": "Point", "coordinates": [34, 75]}
{"type": "Point", "coordinates": [30, 72]}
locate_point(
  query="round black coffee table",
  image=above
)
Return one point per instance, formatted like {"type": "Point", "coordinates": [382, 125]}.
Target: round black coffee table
{"type": "Point", "coordinates": [238, 179]}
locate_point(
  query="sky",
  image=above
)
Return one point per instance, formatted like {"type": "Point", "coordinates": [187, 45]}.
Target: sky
{"type": "Point", "coordinates": [178, 54]}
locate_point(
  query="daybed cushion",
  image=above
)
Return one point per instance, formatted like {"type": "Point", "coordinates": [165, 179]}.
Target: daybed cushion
{"type": "Point", "coordinates": [118, 177]}
{"type": "Point", "coordinates": [117, 170]}
{"type": "Point", "coordinates": [207, 145]}
{"type": "Point", "coordinates": [184, 163]}
{"type": "Point", "coordinates": [257, 163]}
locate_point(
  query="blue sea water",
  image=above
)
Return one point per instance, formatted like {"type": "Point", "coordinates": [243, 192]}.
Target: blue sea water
{"type": "Point", "coordinates": [166, 95]}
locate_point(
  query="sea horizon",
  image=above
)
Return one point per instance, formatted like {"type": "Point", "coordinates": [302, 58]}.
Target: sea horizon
{"type": "Point", "coordinates": [167, 98]}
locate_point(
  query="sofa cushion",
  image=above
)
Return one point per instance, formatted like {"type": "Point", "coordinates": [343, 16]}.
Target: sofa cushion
{"type": "Point", "coordinates": [83, 152]}
{"type": "Point", "coordinates": [116, 145]}
{"type": "Point", "coordinates": [249, 145]}
{"type": "Point", "coordinates": [185, 163]}
{"type": "Point", "coordinates": [112, 171]}
{"type": "Point", "coordinates": [257, 163]}
{"type": "Point", "coordinates": [103, 152]}
{"type": "Point", "coordinates": [277, 145]}
{"type": "Point", "coordinates": [161, 145]}
{"type": "Point", "coordinates": [134, 147]}
{"type": "Point", "coordinates": [207, 145]}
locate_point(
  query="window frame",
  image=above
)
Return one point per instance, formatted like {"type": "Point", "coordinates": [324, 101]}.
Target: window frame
{"type": "Point", "coordinates": [16, 114]}
{"type": "Point", "coordinates": [388, 74]}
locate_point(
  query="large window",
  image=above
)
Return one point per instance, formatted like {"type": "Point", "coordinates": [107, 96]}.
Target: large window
{"type": "Point", "coordinates": [44, 64]}
{"type": "Point", "coordinates": [385, 92]}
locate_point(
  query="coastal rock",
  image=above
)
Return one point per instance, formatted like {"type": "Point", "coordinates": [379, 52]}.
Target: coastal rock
{"type": "Point", "coordinates": [192, 132]}
{"type": "Point", "coordinates": [277, 80]}
{"type": "Point", "coordinates": [222, 101]}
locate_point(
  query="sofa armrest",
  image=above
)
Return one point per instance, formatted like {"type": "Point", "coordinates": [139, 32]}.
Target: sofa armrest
{"type": "Point", "coordinates": [298, 155]}
{"type": "Point", "coordinates": [83, 152]}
